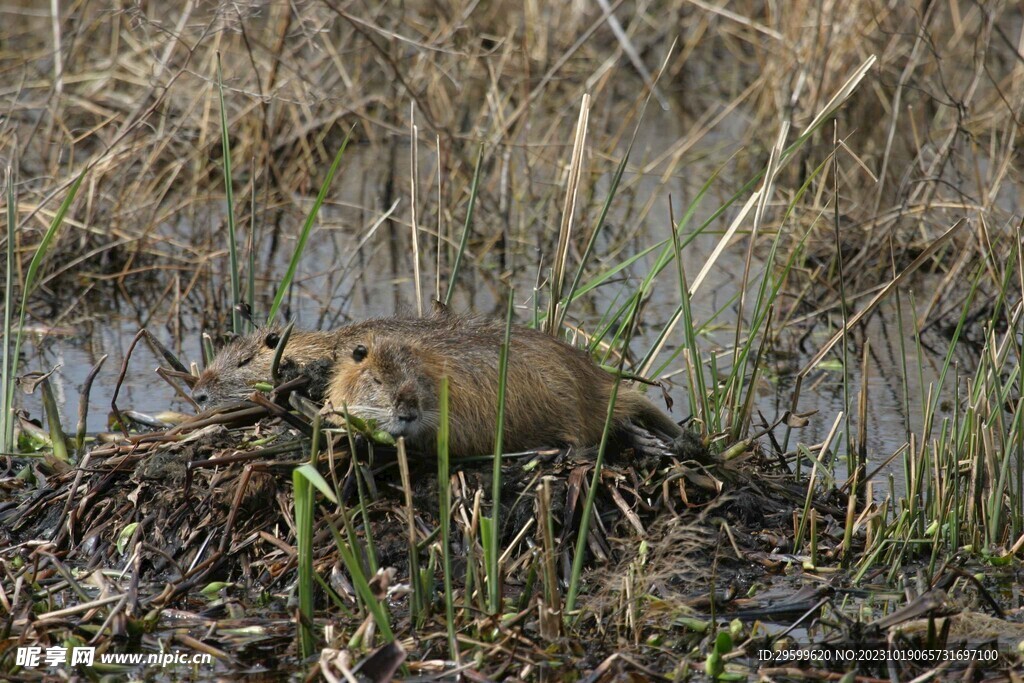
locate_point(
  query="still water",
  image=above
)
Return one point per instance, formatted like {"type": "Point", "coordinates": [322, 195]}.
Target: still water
{"type": "Point", "coordinates": [354, 268]}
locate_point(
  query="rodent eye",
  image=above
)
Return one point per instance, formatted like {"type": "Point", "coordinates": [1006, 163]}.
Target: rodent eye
{"type": "Point", "coordinates": [272, 340]}
{"type": "Point", "coordinates": [376, 380]}
{"type": "Point", "coordinates": [359, 353]}
{"type": "Point", "coordinates": [245, 361]}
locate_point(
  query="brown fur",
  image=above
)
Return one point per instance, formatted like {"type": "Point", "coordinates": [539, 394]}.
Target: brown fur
{"type": "Point", "coordinates": [229, 379]}
{"type": "Point", "coordinates": [556, 395]}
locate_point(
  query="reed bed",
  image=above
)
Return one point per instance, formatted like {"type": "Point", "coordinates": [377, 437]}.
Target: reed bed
{"type": "Point", "coordinates": [831, 168]}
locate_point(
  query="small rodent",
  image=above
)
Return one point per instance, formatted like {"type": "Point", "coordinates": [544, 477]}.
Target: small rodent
{"type": "Point", "coordinates": [390, 370]}
{"type": "Point", "coordinates": [229, 378]}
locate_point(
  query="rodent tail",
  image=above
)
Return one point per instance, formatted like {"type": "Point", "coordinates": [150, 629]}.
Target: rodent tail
{"type": "Point", "coordinates": [636, 407]}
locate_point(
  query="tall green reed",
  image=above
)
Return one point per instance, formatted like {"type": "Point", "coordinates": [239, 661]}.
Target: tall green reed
{"type": "Point", "coordinates": [229, 197]}
{"type": "Point", "coordinates": [7, 368]}
{"type": "Point", "coordinates": [467, 226]}
{"type": "Point", "coordinates": [444, 489]}
{"type": "Point", "coordinates": [307, 227]}
{"type": "Point", "coordinates": [305, 480]}
{"type": "Point", "coordinates": [10, 369]}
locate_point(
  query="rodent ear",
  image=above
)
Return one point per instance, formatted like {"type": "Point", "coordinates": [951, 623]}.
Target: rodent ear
{"type": "Point", "coordinates": [272, 340]}
{"type": "Point", "coordinates": [359, 353]}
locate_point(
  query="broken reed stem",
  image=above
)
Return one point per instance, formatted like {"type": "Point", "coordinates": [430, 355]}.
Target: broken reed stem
{"type": "Point", "coordinates": [413, 189]}
{"type": "Point", "coordinates": [568, 215]}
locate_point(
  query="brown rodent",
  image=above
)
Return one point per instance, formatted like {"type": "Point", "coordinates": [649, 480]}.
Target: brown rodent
{"type": "Point", "coordinates": [229, 379]}
{"type": "Point", "coordinates": [247, 359]}
{"type": "Point", "coordinates": [390, 369]}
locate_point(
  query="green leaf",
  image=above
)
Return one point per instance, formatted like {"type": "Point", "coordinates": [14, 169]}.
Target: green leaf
{"type": "Point", "coordinates": [316, 479]}
{"type": "Point", "coordinates": [125, 536]}
{"type": "Point", "coordinates": [723, 643]}
{"type": "Point", "coordinates": [211, 589]}
{"type": "Point", "coordinates": [380, 436]}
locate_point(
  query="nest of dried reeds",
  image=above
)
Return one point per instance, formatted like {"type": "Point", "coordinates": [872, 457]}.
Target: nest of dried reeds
{"type": "Point", "coordinates": [211, 498]}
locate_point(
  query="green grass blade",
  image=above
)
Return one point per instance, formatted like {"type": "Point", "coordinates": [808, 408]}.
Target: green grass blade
{"type": "Point", "coordinates": [474, 188]}
{"type": "Point", "coordinates": [304, 479]}
{"type": "Point", "coordinates": [444, 515]}
{"type": "Point", "coordinates": [7, 369]}
{"type": "Point", "coordinates": [313, 476]}
{"type": "Point", "coordinates": [563, 306]}
{"type": "Point", "coordinates": [307, 228]}
{"type": "Point", "coordinates": [494, 582]}
{"type": "Point", "coordinates": [698, 393]}
{"type": "Point", "coordinates": [595, 481]}
{"type": "Point", "coordinates": [229, 197]}
{"type": "Point", "coordinates": [30, 281]}
{"type": "Point", "coordinates": [251, 279]}
{"type": "Point", "coordinates": [418, 599]}
{"type": "Point", "coordinates": [362, 585]}
{"type": "Point", "coordinates": [364, 511]}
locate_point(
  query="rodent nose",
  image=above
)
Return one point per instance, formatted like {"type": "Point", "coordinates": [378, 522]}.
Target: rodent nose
{"type": "Point", "coordinates": [407, 411]}
{"type": "Point", "coordinates": [407, 414]}
{"type": "Point", "coordinates": [407, 406]}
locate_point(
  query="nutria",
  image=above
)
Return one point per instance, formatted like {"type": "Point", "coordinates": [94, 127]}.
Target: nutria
{"type": "Point", "coordinates": [390, 370]}
{"type": "Point", "coordinates": [246, 360]}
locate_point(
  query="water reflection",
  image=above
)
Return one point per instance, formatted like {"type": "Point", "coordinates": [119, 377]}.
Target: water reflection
{"type": "Point", "coordinates": [359, 264]}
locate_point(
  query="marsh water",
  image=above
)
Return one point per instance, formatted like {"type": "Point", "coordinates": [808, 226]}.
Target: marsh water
{"type": "Point", "coordinates": [357, 266]}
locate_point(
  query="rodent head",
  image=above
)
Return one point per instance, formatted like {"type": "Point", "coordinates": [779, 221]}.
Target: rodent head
{"type": "Point", "coordinates": [230, 377]}
{"type": "Point", "coordinates": [386, 380]}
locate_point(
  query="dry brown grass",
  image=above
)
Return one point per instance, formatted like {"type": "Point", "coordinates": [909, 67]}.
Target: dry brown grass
{"type": "Point", "coordinates": [134, 95]}
{"type": "Point", "coordinates": [928, 138]}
